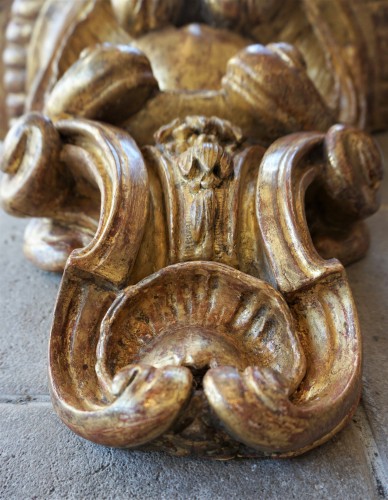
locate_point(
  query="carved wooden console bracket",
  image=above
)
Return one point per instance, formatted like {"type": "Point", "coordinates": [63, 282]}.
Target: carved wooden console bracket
{"type": "Point", "coordinates": [201, 212]}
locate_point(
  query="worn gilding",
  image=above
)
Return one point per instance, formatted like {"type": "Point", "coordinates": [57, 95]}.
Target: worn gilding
{"type": "Point", "coordinates": [201, 211]}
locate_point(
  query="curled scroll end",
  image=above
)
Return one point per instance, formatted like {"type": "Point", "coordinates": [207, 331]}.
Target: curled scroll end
{"type": "Point", "coordinates": [30, 156]}
{"type": "Point", "coordinates": [354, 170]}
{"type": "Point", "coordinates": [141, 16]}
{"type": "Point", "coordinates": [16, 145]}
{"type": "Point", "coordinates": [246, 402]}
{"type": "Point", "coordinates": [255, 408]}
{"type": "Point", "coordinates": [272, 85]}
{"type": "Point", "coordinates": [147, 403]}
{"type": "Point", "coordinates": [108, 83]}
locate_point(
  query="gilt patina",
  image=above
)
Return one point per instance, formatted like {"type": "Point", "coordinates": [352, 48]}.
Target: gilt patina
{"type": "Point", "coordinates": [201, 193]}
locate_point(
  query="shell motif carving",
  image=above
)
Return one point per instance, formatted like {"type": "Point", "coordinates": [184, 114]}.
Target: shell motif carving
{"type": "Point", "coordinates": [202, 233]}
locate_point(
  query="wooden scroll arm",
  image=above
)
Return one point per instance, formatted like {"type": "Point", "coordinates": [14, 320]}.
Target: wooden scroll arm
{"type": "Point", "coordinates": [115, 164]}
{"type": "Point", "coordinates": [254, 405]}
{"type": "Point", "coordinates": [150, 401]}
{"type": "Point", "coordinates": [40, 161]}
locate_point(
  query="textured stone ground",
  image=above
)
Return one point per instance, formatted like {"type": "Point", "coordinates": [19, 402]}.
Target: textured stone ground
{"type": "Point", "coordinates": [40, 458]}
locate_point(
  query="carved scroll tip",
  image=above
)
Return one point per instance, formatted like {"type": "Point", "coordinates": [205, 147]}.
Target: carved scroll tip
{"type": "Point", "coordinates": [109, 82]}
{"type": "Point", "coordinates": [272, 85]}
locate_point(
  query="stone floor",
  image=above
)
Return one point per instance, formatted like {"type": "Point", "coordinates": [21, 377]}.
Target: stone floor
{"type": "Point", "coordinates": [41, 458]}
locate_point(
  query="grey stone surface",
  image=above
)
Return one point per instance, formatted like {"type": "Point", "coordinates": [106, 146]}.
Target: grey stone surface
{"type": "Point", "coordinates": [27, 297]}
{"type": "Point", "coordinates": [41, 458]}
{"type": "Point", "coordinates": [369, 282]}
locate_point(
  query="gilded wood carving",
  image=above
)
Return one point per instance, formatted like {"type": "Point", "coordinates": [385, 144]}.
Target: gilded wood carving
{"type": "Point", "coordinates": [201, 200]}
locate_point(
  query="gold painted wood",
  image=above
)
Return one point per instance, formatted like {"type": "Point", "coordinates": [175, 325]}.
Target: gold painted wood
{"type": "Point", "coordinates": [201, 211]}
